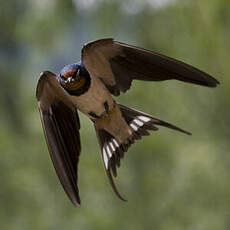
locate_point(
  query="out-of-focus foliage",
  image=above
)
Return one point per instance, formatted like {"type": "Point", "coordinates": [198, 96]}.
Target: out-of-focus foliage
{"type": "Point", "coordinates": [171, 181]}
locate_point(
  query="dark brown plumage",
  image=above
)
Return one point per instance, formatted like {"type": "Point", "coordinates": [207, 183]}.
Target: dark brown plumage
{"type": "Point", "coordinates": [61, 127]}
{"type": "Point", "coordinates": [129, 63]}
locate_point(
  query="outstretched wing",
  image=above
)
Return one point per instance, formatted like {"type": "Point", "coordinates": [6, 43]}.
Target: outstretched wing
{"type": "Point", "coordinates": [117, 64]}
{"type": "Point", "coordinates": [61, 127]}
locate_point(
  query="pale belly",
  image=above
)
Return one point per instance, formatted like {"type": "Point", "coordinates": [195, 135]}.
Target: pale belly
{"type": "Point", "coordinates": [93, 101]}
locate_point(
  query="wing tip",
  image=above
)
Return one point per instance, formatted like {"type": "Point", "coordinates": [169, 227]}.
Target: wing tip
{"type": "Point", "coordinates": [212, 82]}
{"type": "Point", "coordinates": [75, 201]}
{"type": "Point", "coordinates": [215, 84]}
{"type": "Point", "coordinates": [71, 190]}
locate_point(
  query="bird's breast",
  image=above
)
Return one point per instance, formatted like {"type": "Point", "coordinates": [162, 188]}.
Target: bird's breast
{"type": "Point", "coordinates": [96, 101]}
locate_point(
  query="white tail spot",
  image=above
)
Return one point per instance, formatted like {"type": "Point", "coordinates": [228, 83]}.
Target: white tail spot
{"type": "Point", "coordinates": [112, 146]}
{"type": "Point", "coordinates": [105, 158]}
{"type": "Point", "coordinates": [145, 119]}
{"type": "Point", "coordinates": [138, 122]}
{"type": "Point", "coordinates": [134, 126]}
{"type": "Point", "coordinates": [115, 142]}
{"type": "Point", "coordinates": [109, 151]}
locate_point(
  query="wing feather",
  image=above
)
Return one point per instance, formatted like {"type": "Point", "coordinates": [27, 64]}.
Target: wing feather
{"type": "Point", "coordinates": [61, 127]}
{"type": "Point", "coordinates": [117, 64]}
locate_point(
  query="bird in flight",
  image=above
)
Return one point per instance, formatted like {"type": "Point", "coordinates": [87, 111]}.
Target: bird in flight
{"type": "Point", "coordinates": [106, 69]}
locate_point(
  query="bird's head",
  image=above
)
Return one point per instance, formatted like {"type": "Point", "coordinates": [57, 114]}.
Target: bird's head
{"type": "Point", "coordinates": [73, 77]}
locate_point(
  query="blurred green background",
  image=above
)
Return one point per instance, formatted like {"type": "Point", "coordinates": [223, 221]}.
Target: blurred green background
{"type": "Point", "coordinates": [171, 181]}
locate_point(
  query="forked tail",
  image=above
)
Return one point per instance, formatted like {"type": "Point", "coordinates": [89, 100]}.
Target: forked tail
{"type": "Point", "coordinates": [112, 150]}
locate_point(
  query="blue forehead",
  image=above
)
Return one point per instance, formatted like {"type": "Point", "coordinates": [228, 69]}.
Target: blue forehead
{"type": "Point", "coordinates": [74, 66]}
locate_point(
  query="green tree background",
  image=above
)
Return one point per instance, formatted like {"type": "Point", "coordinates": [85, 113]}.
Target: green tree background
{"type": "Point", "coordinates": [171, 181]}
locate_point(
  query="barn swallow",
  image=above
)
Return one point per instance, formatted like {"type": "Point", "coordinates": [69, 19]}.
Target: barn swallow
{"type": "Point", "coordinates": [107, 68]}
